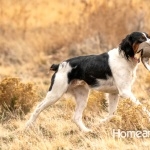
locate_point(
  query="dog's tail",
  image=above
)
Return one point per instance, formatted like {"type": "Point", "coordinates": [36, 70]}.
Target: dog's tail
{"type": "Point", "coordinates": [54, 67]}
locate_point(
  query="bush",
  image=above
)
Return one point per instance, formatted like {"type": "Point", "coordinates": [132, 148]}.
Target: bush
{"type": "Point", "coordinates": [16, 97]}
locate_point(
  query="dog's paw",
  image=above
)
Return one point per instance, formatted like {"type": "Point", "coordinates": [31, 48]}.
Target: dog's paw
{"type": "Point", "coordinates": [107, 119]}
{"type": "Point", "coordinates": [102, 121]}
{"type": "Point", "coordinates": [28, 125]}
{"type": "Point", "coordinates": [85, 129]}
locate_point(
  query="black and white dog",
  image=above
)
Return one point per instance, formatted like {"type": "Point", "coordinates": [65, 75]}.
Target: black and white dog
{"type": "Point", "coordinates": [112, 72]}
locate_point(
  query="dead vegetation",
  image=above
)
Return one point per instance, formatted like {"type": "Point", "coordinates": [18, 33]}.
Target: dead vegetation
{"type": "Point", "coordinates": [35, 34]}
{"type": "Point", "coordinates": [16, 98]}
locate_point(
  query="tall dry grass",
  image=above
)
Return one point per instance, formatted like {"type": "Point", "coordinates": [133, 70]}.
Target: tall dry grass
{"type": "Point", "coordinates": [35, 34]}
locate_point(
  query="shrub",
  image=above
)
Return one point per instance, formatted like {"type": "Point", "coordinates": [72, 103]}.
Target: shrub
{"type": "Point", "coordinates": [15, 96]}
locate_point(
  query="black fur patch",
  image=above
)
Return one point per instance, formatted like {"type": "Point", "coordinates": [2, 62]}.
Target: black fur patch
{"type": "Point", "coordinates": [52, 81]}
{"type": "Point", "coordinates": [89, 68]}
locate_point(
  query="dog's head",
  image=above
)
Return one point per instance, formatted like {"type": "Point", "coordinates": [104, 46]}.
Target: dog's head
{"type": "Point", "coordinates": [136, 46]}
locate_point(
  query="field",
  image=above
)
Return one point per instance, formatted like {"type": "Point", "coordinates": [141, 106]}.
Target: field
{"type": "Point", "coordinates": [35, 34]}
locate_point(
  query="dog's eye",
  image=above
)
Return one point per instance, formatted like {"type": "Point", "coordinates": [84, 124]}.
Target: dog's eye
{"type": "Point", "coordinates": [142, 39]}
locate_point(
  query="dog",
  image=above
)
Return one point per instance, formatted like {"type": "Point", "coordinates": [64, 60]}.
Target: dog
{"type": "Point", "coordinates": [112, 72]}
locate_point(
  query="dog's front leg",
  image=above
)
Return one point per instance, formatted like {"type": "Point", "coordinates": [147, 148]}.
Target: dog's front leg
{"type": "Point", "coordinates": [130, 96]}
{"type": "Point", "coordinates": [124, 88]}
{"type": "Point", "coordinates": [123, 80]}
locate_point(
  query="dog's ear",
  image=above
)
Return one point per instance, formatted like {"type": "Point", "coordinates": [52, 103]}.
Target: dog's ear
{"type": "Point", "coordinates": [126, 47]}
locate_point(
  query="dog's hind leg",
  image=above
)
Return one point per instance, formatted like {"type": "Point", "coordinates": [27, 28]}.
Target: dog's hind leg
{"type": "Point", "coordinates": [59, 86]}
{"type": "Point", "coordinates": [81, 96]}
{"type": "Point", "coordinates": [113, 102]}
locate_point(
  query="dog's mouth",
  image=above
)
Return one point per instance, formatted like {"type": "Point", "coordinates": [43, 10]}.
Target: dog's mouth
{"type": "Point", "coordinates": [138, 55]}
{"type": "Point", "coordinates": [146, 63]}
{"type": "Point", "coordinates": [144, 50]}
{"type": "Point", "coordinates": [145, 57]}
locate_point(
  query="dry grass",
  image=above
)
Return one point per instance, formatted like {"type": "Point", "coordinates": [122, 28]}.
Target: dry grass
{"type": "Point", "coordinates": [55, 130]}
{"type": "Point", "coordinates": [35, 34]}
